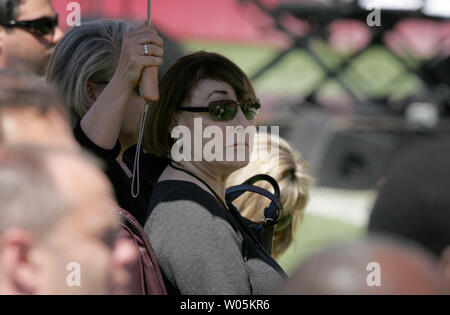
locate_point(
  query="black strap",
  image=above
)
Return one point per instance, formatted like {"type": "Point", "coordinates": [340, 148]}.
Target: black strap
{"type": "Point", "coordinates": [202, 181]}
{"type": "Point", "coordinates": [274, 212]}
{"type": "Point", "coordinates": [245, 229]}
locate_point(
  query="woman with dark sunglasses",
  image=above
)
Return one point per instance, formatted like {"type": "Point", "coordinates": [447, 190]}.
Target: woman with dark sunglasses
{"type": "Point", "coordinates": [201, 242]}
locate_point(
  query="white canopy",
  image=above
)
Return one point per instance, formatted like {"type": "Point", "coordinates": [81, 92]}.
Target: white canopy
{"type": "Point", "coordinates": [439, 8]}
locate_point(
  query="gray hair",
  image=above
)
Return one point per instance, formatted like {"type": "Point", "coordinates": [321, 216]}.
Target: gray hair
{"type": "Point", "coordinates": [89, 52]}
{"type": "Point", "coordinates": [29, 196]}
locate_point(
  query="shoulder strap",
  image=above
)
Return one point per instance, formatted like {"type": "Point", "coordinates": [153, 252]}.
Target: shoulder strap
{"type": "Point", "coordinates": [202, 181]}
{"type": "Point", "coordinates": [155, 279]}
{"type": "Point", "coordinates": [274, 212]}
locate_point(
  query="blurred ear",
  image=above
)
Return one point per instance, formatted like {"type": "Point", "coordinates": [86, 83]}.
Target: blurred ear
{"type": "Point", "coordinates": [15, 248]}
{"type": "Point", "coordinates": [91, 93]}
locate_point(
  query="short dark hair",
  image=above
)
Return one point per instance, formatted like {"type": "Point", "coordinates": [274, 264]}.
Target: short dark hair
{"type": "Point", "coordinates": [23, 90]}
{"type": "Point", "coordinates": [414, 202]}
{"type": "Point", "coordinates": [175, 87]}
{"type": "Point", "coordinates": [8, 10]}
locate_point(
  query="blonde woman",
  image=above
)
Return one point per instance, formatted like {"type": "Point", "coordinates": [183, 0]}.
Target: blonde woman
{"type": "Point", "coordinates": [287, 167]}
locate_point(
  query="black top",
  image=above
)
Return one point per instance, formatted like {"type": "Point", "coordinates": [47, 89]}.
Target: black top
{"type": "Point", "coordinates": [119, 179]}
{"type": "Point", "coordinates": [203, 247]}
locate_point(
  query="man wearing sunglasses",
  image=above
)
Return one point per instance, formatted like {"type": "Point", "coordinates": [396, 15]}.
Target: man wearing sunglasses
{"type": "Point", "coordinates": [28, 34]}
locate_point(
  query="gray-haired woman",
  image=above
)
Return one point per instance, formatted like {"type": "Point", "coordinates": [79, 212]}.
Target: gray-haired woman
{"type": "Point", "coordinates": [98, 66]}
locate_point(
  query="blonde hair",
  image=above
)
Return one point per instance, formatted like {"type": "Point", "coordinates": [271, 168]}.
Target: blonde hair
{"type": "Point", "coordinates": [287, 167]}
{"type": "Point", "coordinates": [89, 52]}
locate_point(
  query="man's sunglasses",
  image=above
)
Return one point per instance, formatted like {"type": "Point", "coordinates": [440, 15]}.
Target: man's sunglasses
{"type": "Point", "coordinates": [226, 110]}
{"type": "Point", "coordinates": [42, 26]}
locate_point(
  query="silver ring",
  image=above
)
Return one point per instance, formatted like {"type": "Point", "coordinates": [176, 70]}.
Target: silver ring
{"type": "Point", "coordinates": [146, 49]}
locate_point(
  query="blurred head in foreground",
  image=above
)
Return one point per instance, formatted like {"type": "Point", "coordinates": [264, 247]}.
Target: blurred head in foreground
{"type": "Point", "coordinates": [369, 267]}
{"type": "Point", "coordinates": [31, 112]}
{"type": "Point", "coordinates": [58, 225]}
{"type": "Point", "coordinates": [287, 167]}
{"type": "Point", "coordinates": [414, 201]}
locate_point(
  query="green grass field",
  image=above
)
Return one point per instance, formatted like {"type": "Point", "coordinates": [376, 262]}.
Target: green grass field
{"type": "Point", "coordinates": [375, 72]}
{"type": "Point", "coordinates": [315, 233]}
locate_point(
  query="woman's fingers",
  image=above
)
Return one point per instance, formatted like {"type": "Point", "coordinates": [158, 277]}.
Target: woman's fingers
{"type": "Point", "coordinates": [146, 35]}
{"type": "Point", "coordinates": [150, 38]}
{"type": "Point", "coordinates": [142, 29]}
{"type": "Point", "coordinates": [153, 50]}
{"type": "Point", "coordinates": [149, 61]}
{"type": "Point", "coordinates": [134, 57]}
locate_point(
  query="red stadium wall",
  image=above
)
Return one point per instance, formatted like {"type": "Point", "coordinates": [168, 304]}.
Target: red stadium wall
{"type": "Point", "coordinates": [199, 19]}
{"type": "Point", "coordinates": [229, 20]}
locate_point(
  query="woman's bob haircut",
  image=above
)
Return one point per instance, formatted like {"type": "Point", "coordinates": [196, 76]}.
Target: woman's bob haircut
{"type": "Point", "coordinates": [175, 89]}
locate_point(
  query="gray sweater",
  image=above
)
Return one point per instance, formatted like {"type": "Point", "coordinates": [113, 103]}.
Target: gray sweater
{"type": "Point", "coordinates": [199, 248]}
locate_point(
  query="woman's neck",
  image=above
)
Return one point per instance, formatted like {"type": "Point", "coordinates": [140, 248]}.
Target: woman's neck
{"type": "Point", "coordinates": [215, 181]}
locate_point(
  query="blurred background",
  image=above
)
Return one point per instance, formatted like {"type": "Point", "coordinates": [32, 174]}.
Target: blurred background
{"type": "Point", "coordinates": [348, 96]}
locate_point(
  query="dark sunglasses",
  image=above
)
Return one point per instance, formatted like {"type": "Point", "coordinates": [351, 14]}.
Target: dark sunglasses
{"type": "Point", "coordinates": [226, 110]}
{"type": "Point", "coordinates": [42, 26]}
